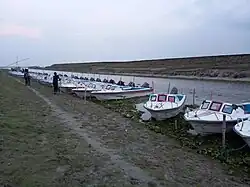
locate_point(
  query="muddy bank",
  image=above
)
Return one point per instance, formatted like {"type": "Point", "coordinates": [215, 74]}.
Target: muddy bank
{"type": "Point", "coordinates": [236, 155]}
{"type": "Point", "coordinates": [164, 159]}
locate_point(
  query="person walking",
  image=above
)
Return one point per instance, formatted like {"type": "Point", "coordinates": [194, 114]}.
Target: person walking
{"type": "Point", "coordinates": [55, 82]}
{"type": "Point", "coordinates": [27, 77]}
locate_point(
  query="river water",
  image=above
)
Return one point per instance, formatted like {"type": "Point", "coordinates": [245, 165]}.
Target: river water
{"type": "Point", "coordinates": [231, 92]}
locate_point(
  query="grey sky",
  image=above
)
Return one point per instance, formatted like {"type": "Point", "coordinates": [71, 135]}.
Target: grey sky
{"type": "Point", "coordinates": [50, 31]}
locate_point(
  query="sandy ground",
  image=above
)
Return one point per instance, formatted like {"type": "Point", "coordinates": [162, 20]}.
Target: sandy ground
{"type": "Point", "coordinates": [72, 143]}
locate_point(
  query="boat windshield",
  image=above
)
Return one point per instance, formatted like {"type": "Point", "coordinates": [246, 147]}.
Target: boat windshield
{"type": "Point", "coordinates": [171, 99]}
{"type": "Point", "coordinates": [228, 109]}
{"type": "Point", "coordinates": [162, 98]}
{"type": "Point", "coordinates": [153, 98]}
{"type": "Point", "coordinates": [215, 106]}
{"type": "Point", "coordinates": [246, 108]}
{"type": "Point", "coordinates": [205, 105]}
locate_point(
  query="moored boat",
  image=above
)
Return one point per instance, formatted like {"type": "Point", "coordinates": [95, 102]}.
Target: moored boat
{"type": "Point", "coordinates": [66, 87]}
{"type": "Point", "coordinates": [87, 89]}
{"type": "Point", "coordinates": [208, 118]}
{"type": "Point", "coordinates": [164, 106]}
{"type": "Point", "coordinates": [242, 128]}
{"type": "Point", "coordinates": [113, 92]}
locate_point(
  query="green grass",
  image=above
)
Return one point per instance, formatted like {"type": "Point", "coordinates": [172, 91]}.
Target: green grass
{"type": "Point", "coordinates": [32, 143]}
{"type": "Point", "coordinates": [210, 146]}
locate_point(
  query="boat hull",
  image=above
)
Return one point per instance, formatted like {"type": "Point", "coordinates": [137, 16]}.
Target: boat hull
{"type": "Point", "coordinates": [214, 127]}
{"type": "Point", "coordinates": [242, 130]}
{"type": "Point", "coordinates": [245, 138]}
{"type": "Point", "coordinates": [165, 114]}
{"type": "Point", "coordinates": [81, 94]}
{"type": "Point", "coordinates": [121, 95]}
{"type": "Point", "coordinates": [66, 89]}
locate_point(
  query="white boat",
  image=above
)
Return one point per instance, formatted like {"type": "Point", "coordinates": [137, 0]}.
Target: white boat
{"type": "Point", "coordinates": [47, 80]}
{"type": "Point", "coordinates": [113, 92]}
{"type": "Point", "coordinates": [87, 89]}
{"type": "Point", "coordinates": [16, 73]}
{"type": "Point", "coordinates": [66, 87]}
{"type": "Point", "coordinates": [208, 118]}
{"type": "Point", "coordinates": [242, 128]}
{"type": "Point", "coordinates": [164, 106]}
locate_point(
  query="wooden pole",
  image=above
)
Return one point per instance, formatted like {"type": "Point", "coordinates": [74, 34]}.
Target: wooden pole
{"type": "Point", "coordinates": [175, 124]}
{"type": "Point", "coordinates": [224, 126]}
{"type": "Point", "coordinates": [153, 86]}
{"type": "Point", "coordinates": [169, 87]}
{"type": "Point", "coordinates": [85, 95]}
{"type": "Point", "coordinates": [193, 96]}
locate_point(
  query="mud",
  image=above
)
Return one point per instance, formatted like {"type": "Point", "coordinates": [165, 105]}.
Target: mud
{"type": "Point", "coordinates": [146, 158]}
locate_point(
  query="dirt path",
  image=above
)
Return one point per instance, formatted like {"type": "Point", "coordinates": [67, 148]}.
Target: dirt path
{"type": "Point", "coordinates": [38, 149]}
{"type": "Point", "coordinates": [144, 156]}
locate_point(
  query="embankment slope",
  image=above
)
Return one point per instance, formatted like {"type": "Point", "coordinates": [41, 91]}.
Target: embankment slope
{"type": "Point", "coordinates": [223, 66]}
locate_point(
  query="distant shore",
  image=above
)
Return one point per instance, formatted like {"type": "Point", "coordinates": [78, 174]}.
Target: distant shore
{"type": "Point", "coordinates": [221, 79]}
{"type": "Point", "coordinates": [230, 68]}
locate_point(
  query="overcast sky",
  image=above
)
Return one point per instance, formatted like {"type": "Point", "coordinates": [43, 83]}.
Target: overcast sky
{"type": "Point", "coordinates": [50, 31]}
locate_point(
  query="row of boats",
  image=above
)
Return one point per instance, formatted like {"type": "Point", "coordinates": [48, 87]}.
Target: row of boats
{"type": "Point", "coordinates": [206, 120]}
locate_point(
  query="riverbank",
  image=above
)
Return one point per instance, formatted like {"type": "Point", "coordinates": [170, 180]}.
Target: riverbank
{"type": "Point", "coordinates": [111, 148]}
{"type": "Point", "coordinates": [237, 153]}
{"type": "Point", "coordinates": [215, 68]}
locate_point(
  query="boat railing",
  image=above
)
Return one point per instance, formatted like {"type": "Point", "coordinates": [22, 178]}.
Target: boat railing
{"type": "Point", "coordinates": [242, 122]}
{"type": "Point", "coordinates": [215, 113]}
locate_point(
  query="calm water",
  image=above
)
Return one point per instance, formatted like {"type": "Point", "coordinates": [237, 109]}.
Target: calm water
{"type": "Point", "coordinates": [222, 91]}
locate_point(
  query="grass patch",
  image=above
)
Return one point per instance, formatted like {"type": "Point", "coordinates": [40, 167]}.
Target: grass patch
{"type": "Point", "coordinates": [33, 145]}
{"type": "Point", "coordinates": [237, 160]}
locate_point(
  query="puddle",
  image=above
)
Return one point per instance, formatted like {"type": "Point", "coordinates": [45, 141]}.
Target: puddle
{"type": "Point", "coordinates": [145, 115]}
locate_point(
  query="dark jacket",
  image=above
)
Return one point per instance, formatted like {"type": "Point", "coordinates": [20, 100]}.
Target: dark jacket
{"type": "Point", "coordinates": [26, 75]}
{"type": "Point", "coordinates": [55, 79]}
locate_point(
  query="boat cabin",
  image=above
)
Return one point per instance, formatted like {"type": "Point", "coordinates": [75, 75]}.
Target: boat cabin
{"type": "Point", "coordinates": [216, 106]}
{"type": "Point", "coordinates": [173, 98]}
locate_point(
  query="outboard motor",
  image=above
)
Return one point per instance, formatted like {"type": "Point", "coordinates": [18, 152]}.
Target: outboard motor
{"type": "Point", "coordinates": [174, 90]}
{"type": "Point", "coordinates": [111, 81]}
{"type": "Point", "coordinates": [132, 84]}
{"type": "Point", "coordinates": [98, 80]}
{"type": "Point", "coordinates": [145, 85]}
{"type": "Point", "coordinates": [121, 83]}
